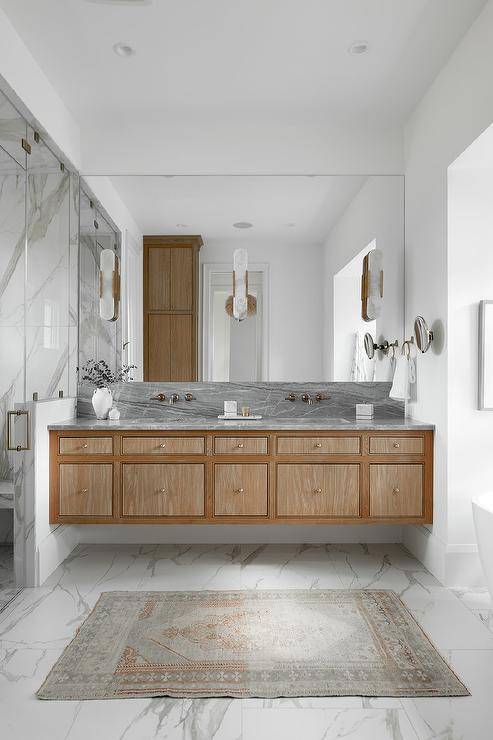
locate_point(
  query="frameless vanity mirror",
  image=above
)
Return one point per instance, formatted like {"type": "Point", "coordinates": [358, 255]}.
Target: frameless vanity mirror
{"type": "Point", "coordinates": [303, 241]}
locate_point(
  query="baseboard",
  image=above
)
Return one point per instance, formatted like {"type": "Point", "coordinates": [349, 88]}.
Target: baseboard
{"type": "Point", "coordinates": [452, 565]}
{"type": "Point", "coordinates": [246, 534]}
{"type": "Point", "coordinates": [53, 550]}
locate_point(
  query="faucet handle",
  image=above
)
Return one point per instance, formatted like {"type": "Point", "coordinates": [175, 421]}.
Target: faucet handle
{"type": "Point", "coordinates": [159, 397]}
{"type": "Point", "coordinates": [173, 398]}
{"type": "Point", "coordinates": [307, 398]}
{"type": "Point", "coordinates": [290, 397]}
{"type": "Point", "coordinates": [321, 397]}
{"type": "Point", "coordinates": [189, 397]}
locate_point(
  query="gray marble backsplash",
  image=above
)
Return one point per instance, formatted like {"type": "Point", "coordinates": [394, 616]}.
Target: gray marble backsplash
{"type": "Point", "coordinates": [268, 399]}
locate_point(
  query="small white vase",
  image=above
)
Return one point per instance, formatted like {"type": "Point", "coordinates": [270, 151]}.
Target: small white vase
{"type": "Point", "coordinates": [102, 401]}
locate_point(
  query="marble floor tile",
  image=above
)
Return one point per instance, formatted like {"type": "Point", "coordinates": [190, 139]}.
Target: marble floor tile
{"type": "Point", "coordinates": [459, 718]}
{"type": "Point", "coordinates": [36, 627]}
{"type": "Point", "coordinates": [327, 724]}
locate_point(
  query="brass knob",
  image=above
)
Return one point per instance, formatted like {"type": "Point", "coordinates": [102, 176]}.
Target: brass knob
{"type": "Point", "coordinates": [396, 445]}
{"type": "Point", "coordinates": [163, 490]}
{"type": "Point", "coordinates": [84, 446]}
{"type": "Point", "coordinates": [240, 445]}
{"type": "Point", "coordinates": [162, 444]}
{"type": "Point", "coordinates": [318, 444]}
{"type": "Point", "coordinates": [239, 490]}
{"type": "Point", "coordinates": [396, 490]}
{"type": "Point", "coordinates": [318, 490]}
{"type": "Point", "coordinates": [84, 490]}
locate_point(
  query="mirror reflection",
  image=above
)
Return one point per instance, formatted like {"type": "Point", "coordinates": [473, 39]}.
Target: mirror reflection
{"type": "Point", "coordinates": [248, 278]}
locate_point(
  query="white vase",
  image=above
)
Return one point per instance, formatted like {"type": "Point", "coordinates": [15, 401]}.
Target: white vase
{"type": "Point", "coordinates": [102, 401]}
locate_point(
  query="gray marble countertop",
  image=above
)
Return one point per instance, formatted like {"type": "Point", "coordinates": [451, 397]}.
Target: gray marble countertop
{"type": "Point", "coordinates": [272, 423]}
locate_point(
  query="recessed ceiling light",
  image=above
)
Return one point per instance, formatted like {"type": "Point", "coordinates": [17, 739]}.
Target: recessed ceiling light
{"type": "Point", "coordinates": [291, 224]}
{"type": "Point", "coordinates": [182, 226]}
{"type": "Point", "coordinates": [243, 225]}
{"type": "Point", "coordinates": [123, 49]}
{"type": "Point", "coordinates": [359, 47]}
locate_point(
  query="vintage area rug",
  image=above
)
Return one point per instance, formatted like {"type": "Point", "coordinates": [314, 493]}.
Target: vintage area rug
{"type": "Point", "coordinates": [249, 644]}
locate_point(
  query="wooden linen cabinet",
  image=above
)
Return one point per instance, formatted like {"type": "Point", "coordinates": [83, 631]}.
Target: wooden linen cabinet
{"type": "Point", "coordinates": [171, 307]}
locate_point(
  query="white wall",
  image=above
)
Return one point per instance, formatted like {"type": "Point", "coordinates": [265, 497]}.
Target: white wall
{"type": "Point", "coordinates": [23, 81]}
{"type": "Point", "coordinates": [295, 303]}
{"type": "Point", "coordinates": [377, 212]}
{"type": "Point", "coordinates": [456, 109]}
{"type": "Point", "coordinates": [470, 255]}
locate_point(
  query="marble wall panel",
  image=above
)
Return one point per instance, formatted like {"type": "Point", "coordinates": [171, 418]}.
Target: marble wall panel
{"type": "Point", "coordinates": [134, 399]}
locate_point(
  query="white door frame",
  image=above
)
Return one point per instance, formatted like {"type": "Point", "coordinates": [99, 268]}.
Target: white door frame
{"type": "Point", "coordinates": [206, 355]}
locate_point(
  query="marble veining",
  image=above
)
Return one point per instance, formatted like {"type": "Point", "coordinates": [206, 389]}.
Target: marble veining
{"type": "Point", "coordinates": [134, 399]}
{"type": "Point", "coordinates": [38, 624]}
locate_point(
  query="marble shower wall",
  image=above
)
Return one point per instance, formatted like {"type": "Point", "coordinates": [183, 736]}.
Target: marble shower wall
{"type": "Point", "coordinates": [268, 399]}
{"type": "Point", "coordinates": [98, 339]}
{"type": "Point", "coordinates": [39, 232]}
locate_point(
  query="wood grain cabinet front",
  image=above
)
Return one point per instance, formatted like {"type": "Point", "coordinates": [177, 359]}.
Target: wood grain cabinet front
{"type": "Point", "coordinates": [240, 445]}
{"type": "Point", "coordinates": [240, 490]}
{"type": "Point", "coordinates": [318, 490]}
{"type": "Point", "coordinates": [396, 445]}
{"type": "Point", "coordinates": [396, 490]}
{"type": "Point", "coordinates": [163, 489]}
{"type": "Point", "coordinates": [86, 445]}
{"type": "Point", "coordinates": [163, 445]}
{"type": "Point", "coordinates": [86, 490]}
{"type": "Point", "coordinates": [318, 445]}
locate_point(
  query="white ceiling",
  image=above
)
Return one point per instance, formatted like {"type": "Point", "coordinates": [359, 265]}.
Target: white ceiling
{"type": "Point", "coordinates": [259, 57]}
{"type": "Point", "coordinates": [210, 205]}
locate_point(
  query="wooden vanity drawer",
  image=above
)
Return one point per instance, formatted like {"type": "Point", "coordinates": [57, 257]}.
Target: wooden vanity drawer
{"type": "Point", "coordinates": [86, 445]}
{"type": "Point", "coordinates": [163, 445]}
{"type": "Point", "coordinates": [396, 490]}
{"type": "Point", "coordinates": [240, 490]}
{"type": "Point", "coordinates": [240, 445]}
{"type": "Point", "coordinates": [318, 490]}
{"type": "Point", "coordinates": [318, 445]}
{"type": "Point", "coordinates": [396, 445]}
{"type": "Point", "coordinates": [163, 489]}
{"type": "Point", "coordinates": [85, 490]}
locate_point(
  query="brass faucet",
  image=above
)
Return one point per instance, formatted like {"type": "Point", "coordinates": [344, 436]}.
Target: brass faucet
{"type": "Point", "coordinates": [307, 399]}
{"type": "Point", "coordinates": [173, 399]}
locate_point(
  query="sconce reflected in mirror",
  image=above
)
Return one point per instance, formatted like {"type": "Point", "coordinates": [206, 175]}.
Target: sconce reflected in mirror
{"type": "Point", "coordinates": [424, 336]}
{"type": "Point", "coordinates": [372, 285]}
{"type": "Point", "coordinates": [241, 304]}
{"type": "Point", "coordinates": [371, 346]}
{"type": "Point", "coordinates": [109, 285]}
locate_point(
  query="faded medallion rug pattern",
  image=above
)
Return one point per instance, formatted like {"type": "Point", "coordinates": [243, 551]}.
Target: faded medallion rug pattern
{"type": "Point", "coordinates": [249, 644]}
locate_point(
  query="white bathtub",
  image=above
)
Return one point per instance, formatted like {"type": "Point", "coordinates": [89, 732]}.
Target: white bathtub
{"type": "Point", "coordinates": [482, 510]}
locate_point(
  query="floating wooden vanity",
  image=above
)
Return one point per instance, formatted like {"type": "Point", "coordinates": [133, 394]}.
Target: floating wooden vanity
{"type": "Point", "coordinates": [241, 477]}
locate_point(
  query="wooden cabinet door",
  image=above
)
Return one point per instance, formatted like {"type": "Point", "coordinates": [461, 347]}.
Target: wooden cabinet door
{"type": "Point", "coordinates": [240, 490]}
{"type": "Point", "coordinates": [181, 279]}
{"type": "Point", "coordinates": [396, 490]}
{"type": "Point", "coordinates": [318, 490]}
{"type": "Point", "coordinates": [158, 279]}
{"type": "Point", "coordinates": [86, 490]}
{"type": "Point", "coordinates": [182, 341]}
{"type": "Point", "coordinates": [163, 489]}
{"type": "Point", "coordinates": [159, 347]}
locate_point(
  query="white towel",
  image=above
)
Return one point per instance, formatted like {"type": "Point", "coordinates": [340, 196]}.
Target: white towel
{"type": "Point", "coordinates": [400, 385]}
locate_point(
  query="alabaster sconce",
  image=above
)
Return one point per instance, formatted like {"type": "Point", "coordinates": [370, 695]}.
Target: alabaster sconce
{"type": "Point", "coordinates": [109, 285]}
{"type": "Point", "coordinates": [372, 285]}
{"type": "Point", "coordinates": [241, 304]}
